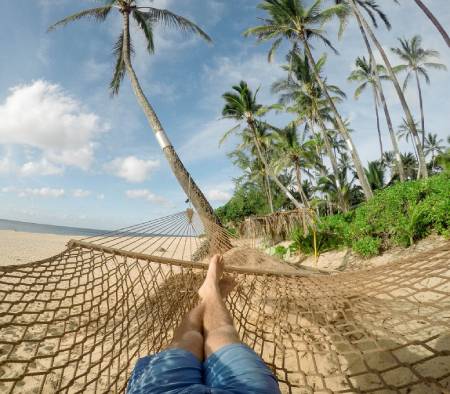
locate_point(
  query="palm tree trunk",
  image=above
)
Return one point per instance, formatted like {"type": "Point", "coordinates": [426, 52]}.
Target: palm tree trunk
{"type": "Point", "coordinates": [191, 189]}
{"type": "Point", "coordinates": [298, 175]}
{"type": "Point", "coordinates": [269, 192]}
{"type": "Point", "coordinates": [422, 117]}
{"type": "Point", "coordinates": [343, 130]}
{"type": "Point", "coordinates": [434, 20]}
{"type": "Point", "coordinates": [332, 157]}
{"type": "Point", "coordinates": [285, 190]}
{"type": "Point", "coordinates": [422, 164]}
{"type": "Point", "coordinates": [375, 103]}
{"type": "Point", "coordinates": [379, 87]}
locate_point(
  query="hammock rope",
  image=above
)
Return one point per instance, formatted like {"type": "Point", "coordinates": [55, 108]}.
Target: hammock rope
{"type": "Point", "coordinates": [78, 321]}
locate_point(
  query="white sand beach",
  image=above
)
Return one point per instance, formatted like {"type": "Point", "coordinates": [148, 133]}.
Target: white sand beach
{"type": "Point", "coordinates": [18, 247]}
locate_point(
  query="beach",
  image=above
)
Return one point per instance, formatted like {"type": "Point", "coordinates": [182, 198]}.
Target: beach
{"type": "Point", "coordinates": [17, 247]}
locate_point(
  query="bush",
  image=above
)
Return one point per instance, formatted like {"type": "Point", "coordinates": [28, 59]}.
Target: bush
{"type": "Point", "coordinates": [367, 246]}
{"type": "Point", "coordinates": [398, 215]}
{"type": "Point", "coordinates": [280, 251]}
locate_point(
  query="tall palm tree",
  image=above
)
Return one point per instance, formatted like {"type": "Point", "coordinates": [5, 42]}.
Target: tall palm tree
{"type": "Point", "coordinates": [434, 20]}
{"type": "Point", "coordinates": [302, 90]}
{"type": "Point", "coordinates": [417, 60]}
{"type": "Point", "coordinates": [405, 130]}
{"type": "Point", "coordinates": [373, 11]}
{"type": "Point", "coordinates": [366, 29]}
{"type": "Point", "coordinates": [433, 145]}
{"type": "Point", "coordinates": [293, 152]}
{"type": "Point", "coordinates": [291, 20]}
{"type": "Point", "coordinates": [365, 75]}
{"type": "Point", "coordinates": [145, 18]}
{"type": "Point", "coordinates": [241, 105]}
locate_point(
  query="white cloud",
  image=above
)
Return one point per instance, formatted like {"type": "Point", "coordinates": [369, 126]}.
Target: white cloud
{"type": "Point", "coordinates": [80, 193]}
{"type": "Point", "coordinates": [7, 165]}
{"type": "Point", "coordinates": [131, 168]}
{"type": "Point", "coordinates": [38, 192]}
{"type": "Point", "coordinates": [41, 167]}
{"type": "Point", "coordinates": [41, 115]}
{"type": "Point", "coordinates": [217, 195]}
{"type": "Point", "coordinates": [146, 195]}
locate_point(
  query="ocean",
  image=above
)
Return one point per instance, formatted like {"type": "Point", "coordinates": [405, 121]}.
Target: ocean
{"type": "Point", "coordinates": [47, 228]}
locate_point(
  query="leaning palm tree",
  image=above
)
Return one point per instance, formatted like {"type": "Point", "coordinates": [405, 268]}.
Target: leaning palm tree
{"type": "Point", "coordinates": [365, 75]}
{"type": "Point", "coordinates": [241, 105]}
{"type": "Point", "coordinates": [416, 61]}
{"type": "Point", "coordinates": [145, 18]}
{"type": "Point", "coordinates": [373, 11]}
{"type": "Point", "coordinates": [366, 29]}
{"type": "Point", "coordinates": [291, 20]}
{"type": "Point", "coordinates": [433, 145]}
{"type": "Point", "coordinates": [434, 20]}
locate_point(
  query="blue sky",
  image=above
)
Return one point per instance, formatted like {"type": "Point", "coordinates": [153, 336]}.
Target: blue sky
{"type": "Point", "coordinates": [71, 155]}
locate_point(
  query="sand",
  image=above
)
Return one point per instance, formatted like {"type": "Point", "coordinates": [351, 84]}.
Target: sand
{"type": "Point", "coordinates": [18, 247]}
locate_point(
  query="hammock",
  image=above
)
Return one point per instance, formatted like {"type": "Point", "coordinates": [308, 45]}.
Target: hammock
{"type": "Point", "coordinates": [78, 321]}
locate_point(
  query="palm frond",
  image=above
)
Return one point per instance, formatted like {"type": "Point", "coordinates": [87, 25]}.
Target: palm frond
{"type": "Point", "coordinates": [146, 27]}
{"type": "Point", "coordinates": [98, 13]}
{"type": "Point", "coordinates": [169, 19]}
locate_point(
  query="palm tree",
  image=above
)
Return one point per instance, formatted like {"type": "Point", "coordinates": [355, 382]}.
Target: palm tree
{"type": "Point", "coordinates": [302, 89]}
{"type": "Point", "coordinates": [373, 10]}
{"type": "Point", "coordinates": [434, 20]}
{"type": "Point", "coordinates": [365, 75]}
{"type": "Point", "coordinates": [417, 60]}
{"type": "Point", "coordinates": [241, 105]}
{"type": "Point", "coordinates": [290, 20]}
{"type": "Point", "coordinates": [145, 18]}
{"type": "Point", "coordinates": [433, 145]}
{"type": "Point", "coordinates": [292, 151]}
{"type": "Point", "coordinates": [365, 29]}
{"type": "Point", "coordinates": [405, 130]}
{"type": "Point", "coordinates": [410, 165]}
{"type": "Point", "coordinates": [375, 173]}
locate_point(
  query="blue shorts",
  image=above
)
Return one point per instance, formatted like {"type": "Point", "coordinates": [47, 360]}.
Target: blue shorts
{"type": "Point", "coordinates": [233, 369]}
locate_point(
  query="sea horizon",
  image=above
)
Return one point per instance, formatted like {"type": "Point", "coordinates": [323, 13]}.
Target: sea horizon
{"type": "Point", "coordinates": [31, 227]}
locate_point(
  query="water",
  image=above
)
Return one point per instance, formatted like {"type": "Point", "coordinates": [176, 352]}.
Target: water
{"type": "Point", "coordinates": [47, 228]}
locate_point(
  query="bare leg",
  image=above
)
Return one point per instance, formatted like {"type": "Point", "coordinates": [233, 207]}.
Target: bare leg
{"type": "Point", "coordinates": [189, 334]}
{"type": "Point", "coordinates": [218, 327]}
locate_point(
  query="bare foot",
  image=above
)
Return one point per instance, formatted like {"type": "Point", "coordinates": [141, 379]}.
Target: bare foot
{"type": "Point", "coordinates": [210, 286]}
{"type": "Point", "coordinates": [226, 286]}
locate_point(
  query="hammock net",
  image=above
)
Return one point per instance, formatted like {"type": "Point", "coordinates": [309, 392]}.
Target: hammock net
{"type": "Point", "coordinates": [78, 321]}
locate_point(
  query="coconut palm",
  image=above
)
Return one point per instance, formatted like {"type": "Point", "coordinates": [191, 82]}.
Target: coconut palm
{"type": "Point", "coordinates": [376, 173]}
{"type": "Point", "coordinates": [293, 152]}
{"type": "Point", "coordinates": [405, 130]}
{"type": "Point", "coordinates": [410, 165]}
{"type": "Point", "coordinates": [241, 105]}
{"type": "Point", "coordinates": [365, 29]}
{"type": "Point", "coordinates": [365, 75]}
{"type": "Point", "coordinates": [417, 61]}
{"type": "Point", "coordinates": [146, 18]}
{"type": "Point", "coordinates": [433, 145]}
{"type": "Point", "coordinates": [290, 20]}
{"type": "Point", "coordinates": [302, 90]}
{"type": "Point", "coordinates": [434, 20]}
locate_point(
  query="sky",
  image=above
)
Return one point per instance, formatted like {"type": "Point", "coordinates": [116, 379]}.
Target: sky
{"type": "Point", "coordinates": [72, 155]}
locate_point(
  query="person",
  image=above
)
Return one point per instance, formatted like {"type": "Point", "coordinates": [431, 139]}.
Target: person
{"type": "Point", "coordinates": [205, 355]}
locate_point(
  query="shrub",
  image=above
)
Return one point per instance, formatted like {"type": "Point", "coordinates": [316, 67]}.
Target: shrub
{"type": "Point", "coordinates": [367, 246]}
{"type": "Point", "coordinates": [280, 251]}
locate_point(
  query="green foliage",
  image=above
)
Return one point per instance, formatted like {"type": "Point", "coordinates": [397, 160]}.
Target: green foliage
{"type": "Point", "coordinates": [280, 251]}
{"type": "Point", "coordinates": [367, 246]}
{"type": "Point", "coordinates": [397, 216]}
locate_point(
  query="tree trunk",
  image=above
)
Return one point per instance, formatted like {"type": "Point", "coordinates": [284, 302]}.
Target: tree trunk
{"type": "Point", "coordinates": [269, 193]}
{"type": "Point", "coordinates": [191, 189]}
{"type": "Point", "coordinates": [251, 124]}
{"type": "Point", "coordinates": [375, 103]}
{"type": "Point", "coordinates": [422, 164]}
{"type": "Point", "coordinates": [434, 20]}
{"type": "Point", "coordinates": [422, 117]}
{"type": "Point", "coordinates": [334, 164]}
{"type": "Point", "coordinates": [342, 129]}
{"type": "Point", "coordinates": [387, 115]}
{"type": "Point", "coordinates": [298, 175]}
